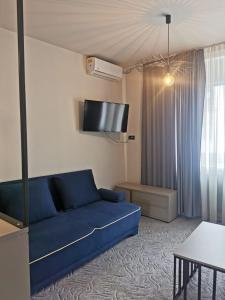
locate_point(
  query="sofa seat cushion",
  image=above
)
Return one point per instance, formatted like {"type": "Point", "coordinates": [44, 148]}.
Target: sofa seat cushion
{"type": "Point", "coordinates": [102, 213]}
{"type": "Point", "coordinates": [52, 234]}
{"type": "Point", "coordinates": [109, 219]}
{"type": "Point", "coordinates": [41, 204]}
{"type": "Point", "coordinates": [68, 228]}
{"type": "Point", "coordinates": [76, 189]}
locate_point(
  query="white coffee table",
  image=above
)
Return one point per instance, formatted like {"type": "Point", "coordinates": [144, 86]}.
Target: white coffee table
{"type": "Point", "coordinates": [205, 247]}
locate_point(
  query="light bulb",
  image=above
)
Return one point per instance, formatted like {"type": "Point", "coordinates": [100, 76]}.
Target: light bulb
{"type": "Point", "coordinates": [169, 79]}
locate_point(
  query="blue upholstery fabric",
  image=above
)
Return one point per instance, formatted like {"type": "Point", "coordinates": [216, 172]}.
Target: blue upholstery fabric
{"type": "Point", "coordinates": [76, 189]}
{"type": "Point", "coordinates": [70, 238]}
{"type": "Point", "coordinates": [11, 201]}
{"type": "Point", "coordinates": [41, 203]}
{"type": "Point", "coordinates": [101, 213]}
{"type": "Point", "coordinates": [71, 225]}
{"type": "Point", "coordinates": [54, 233]}
{"type": "Point", "coordinates": [101, 224]}
{"type": "Point", "coordinates": [113, 196]}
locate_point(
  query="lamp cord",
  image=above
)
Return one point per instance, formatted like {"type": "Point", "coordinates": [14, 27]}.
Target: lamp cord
{"type": "Point", "coordinates": [168, 48]}
{"type": "Point", "coordinates": [168, 21]}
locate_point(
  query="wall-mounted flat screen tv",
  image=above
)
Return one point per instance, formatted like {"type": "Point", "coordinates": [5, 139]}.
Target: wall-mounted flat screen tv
{"type": "Point", "coordinates": [105, 116]}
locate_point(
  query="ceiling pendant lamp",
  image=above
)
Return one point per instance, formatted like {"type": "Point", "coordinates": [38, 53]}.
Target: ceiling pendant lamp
{"type": "Point", "coordinates": [169, 78]}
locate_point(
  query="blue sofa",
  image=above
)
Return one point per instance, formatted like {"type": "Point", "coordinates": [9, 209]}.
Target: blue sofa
{"type": "Point", "coordinates": [71, 222]}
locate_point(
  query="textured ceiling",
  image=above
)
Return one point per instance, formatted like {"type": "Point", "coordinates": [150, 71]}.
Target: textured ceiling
{"type": "Point", "coordinates": [122, 31]}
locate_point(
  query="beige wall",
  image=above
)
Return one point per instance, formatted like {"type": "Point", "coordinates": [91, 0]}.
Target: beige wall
{"type": "Point", "coordinates": [56, 83]}
{"type": "Point", "coordinates": [134, 83]}
{"type": "Point", "coordinates": [10, 162]}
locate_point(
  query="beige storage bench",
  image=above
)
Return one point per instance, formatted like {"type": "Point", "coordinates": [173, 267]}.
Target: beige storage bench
{"type": "Point", "coordinates": [155, 202]}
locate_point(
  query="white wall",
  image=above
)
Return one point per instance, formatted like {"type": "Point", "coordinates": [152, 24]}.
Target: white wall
{"type": "Point", "coordinates": [56, 82]}
{"type": "Point", "coordinates": [134, 84]}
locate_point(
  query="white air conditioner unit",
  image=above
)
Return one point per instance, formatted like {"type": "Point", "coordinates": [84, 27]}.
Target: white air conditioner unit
{"type": "Point", "coordinates": [101, 68]}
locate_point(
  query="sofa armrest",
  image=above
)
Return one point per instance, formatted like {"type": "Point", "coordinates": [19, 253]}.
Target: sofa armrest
{"type": "Point", "coordinates": [112, 196]}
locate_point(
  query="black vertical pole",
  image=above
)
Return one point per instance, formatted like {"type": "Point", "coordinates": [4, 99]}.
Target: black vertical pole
{"type": "Point", "coordinates": [179, 276]}
{"type": "Point", "coordinates": [199, 281]}
{"type": "Point", "coordinates": [23, 114]}
{"type": "Point", "coordinates": [214, 285]}
{"type": "Point", "coordinates": [174, 277]}
{"type": "Point", "coordinates": [185, 277]}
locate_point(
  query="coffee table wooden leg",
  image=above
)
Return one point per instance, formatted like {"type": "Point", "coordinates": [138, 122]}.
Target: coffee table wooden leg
{"type": "Point", "coordinates": [199, 281]}
{"type": "Point", "coordinates": [214, 285]}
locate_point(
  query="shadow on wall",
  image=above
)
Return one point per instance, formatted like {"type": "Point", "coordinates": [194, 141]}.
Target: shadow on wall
{"type": "Point", "coordinates": [78, 113]}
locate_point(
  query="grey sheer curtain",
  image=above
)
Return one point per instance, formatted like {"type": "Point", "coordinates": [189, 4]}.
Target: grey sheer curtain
{"type": "Point", "coordinates": [213, 137]}
{"type": "Point", "coordinates": [189, 95]}
{"type": "Point", "coordinates": [158, 131]}
{"type": "Point", "coordinates": [171, 130]}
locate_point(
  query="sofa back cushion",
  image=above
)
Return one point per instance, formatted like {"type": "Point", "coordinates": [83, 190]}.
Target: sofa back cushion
{"type": "Point", "coordinates": [76, 189]}
{"type": "Point", "coordinates": [41, 205]}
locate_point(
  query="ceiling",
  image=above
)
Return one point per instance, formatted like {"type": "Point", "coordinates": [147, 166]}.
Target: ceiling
{"type": "Point", "coordinates": [121, 31]}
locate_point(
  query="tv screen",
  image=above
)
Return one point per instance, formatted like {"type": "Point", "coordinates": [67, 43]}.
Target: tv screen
{"type": "Point", "coordinates": [105, 116]}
